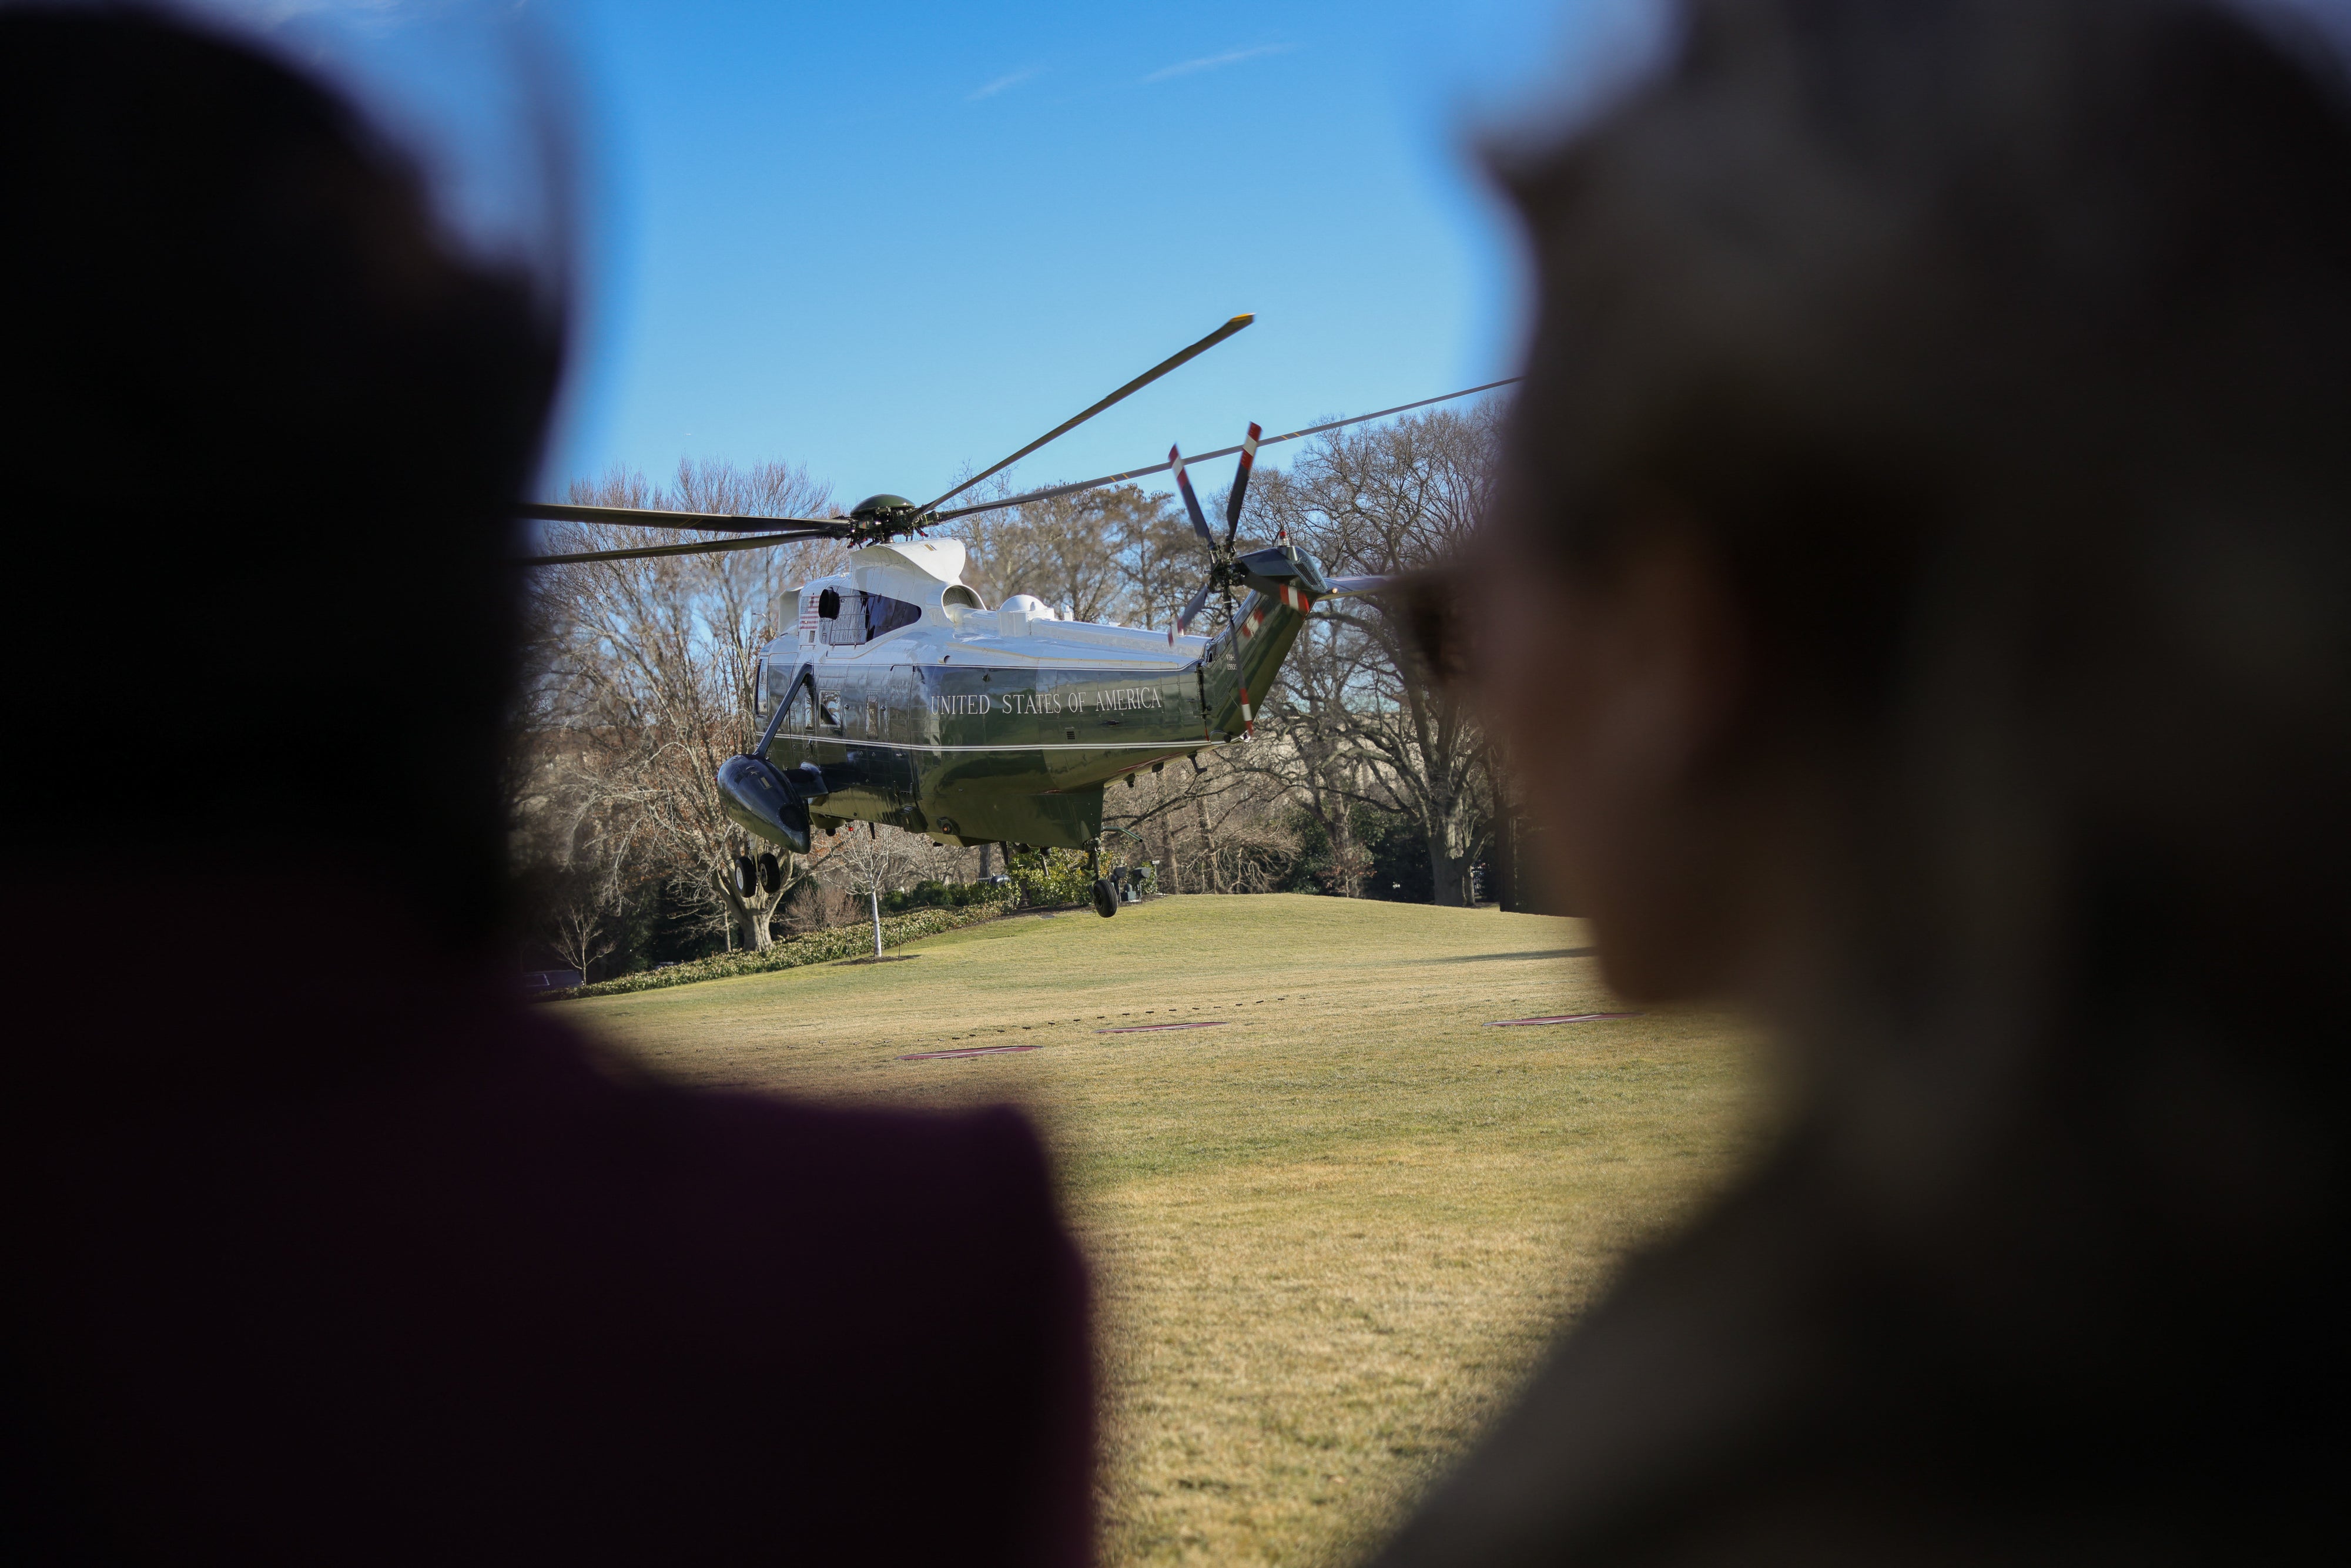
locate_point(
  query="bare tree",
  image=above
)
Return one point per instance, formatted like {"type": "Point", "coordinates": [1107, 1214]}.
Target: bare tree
{"type": "Point", "coordinates": [1160, 559]}
{"type": "Point", "coordinates": [882, 860]}
{"type": "Point", "coordinates": [1213, 824]}
{"type": "Point", "coordinates": [1102, 555]}
{"type": "Point", "coordinates": [649, 669]}
{"type": "Point", "coordinates": [576, 928]}
{"type": "Point", "coordinates": [1387, 498]}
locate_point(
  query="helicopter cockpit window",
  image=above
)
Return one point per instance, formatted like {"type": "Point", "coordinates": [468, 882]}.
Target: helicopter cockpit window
{"type": "Point", "coordinates": [843, 624]}
{"type": "Point", "coordinates": [773, 674]}
{"type": "Point", "coordinates": [884, 614]}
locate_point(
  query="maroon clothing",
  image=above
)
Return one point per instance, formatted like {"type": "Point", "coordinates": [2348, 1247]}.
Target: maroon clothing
{"type": "Point", "coordinates": [405, 1281]}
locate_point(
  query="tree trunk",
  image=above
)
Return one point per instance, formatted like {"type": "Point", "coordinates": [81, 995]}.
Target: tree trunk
{"type": "Point", "coordinates": [1450, 847]}
{"type": "Point", "coordinates": [755, 925]}
{"type": "Point", "coordinates": [1208, 857]}
{"type": "Point", "coordinates": [1444, 876]}
{"type": "Point", "coordinates": [749, 919]}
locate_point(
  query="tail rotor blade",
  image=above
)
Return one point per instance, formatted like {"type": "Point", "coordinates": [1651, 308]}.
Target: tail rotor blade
{"type": "Point", "coordinates": [1192, 611]}
{"type": "Point", "coordinates": [1233, 647]}
{"type": "Point", "coordinates": [1240, 483]}
{"type": "Point", "coordinates": [1191, 501]}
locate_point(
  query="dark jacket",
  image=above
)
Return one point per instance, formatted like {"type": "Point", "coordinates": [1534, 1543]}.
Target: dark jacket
{"type": "Point", "coordinates": [301, 1276]}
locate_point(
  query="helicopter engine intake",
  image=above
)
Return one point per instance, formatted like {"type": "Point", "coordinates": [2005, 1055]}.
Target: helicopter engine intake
{"type": "Point", "coordinates": [761, 800]}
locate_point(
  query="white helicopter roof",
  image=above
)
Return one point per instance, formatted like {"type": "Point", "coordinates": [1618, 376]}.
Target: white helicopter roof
{"type": "Point", "coordinates": [955, 630]}
{"type": "Point", "coordinates": [908, 568]}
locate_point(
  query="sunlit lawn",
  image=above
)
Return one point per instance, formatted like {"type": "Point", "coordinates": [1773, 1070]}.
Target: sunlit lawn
{"type": "Point", "coordinates": [1329, 1238]}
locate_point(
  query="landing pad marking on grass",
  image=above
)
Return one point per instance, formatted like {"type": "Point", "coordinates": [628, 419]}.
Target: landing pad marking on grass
{"type": "Point", "coordinates": [1152, 1027]}
{"type": "Point", "coordinates": [1561, 1018]}
{"type": "Point", "coordinates": [967, 1050]}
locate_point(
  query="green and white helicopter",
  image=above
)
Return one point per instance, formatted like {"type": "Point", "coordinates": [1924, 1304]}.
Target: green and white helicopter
{"type": "Point", "coordinates": [898, 696]}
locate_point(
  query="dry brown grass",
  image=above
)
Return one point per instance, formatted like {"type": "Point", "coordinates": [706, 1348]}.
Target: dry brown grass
{"type": "Point", "coordinates": [1330, 1239]}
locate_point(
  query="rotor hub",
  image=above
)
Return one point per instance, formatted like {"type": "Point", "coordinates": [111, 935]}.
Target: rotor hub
{"type": "Point", "coordinates": [880, 508]}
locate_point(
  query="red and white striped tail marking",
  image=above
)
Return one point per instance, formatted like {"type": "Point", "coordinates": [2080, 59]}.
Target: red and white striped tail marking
{"type": "Point", "coordinates": [1256, 619]}
{"type": "Point", "coordinates": [1302, 602]}
{"type": "Point", "coordinates": [1191, 498]}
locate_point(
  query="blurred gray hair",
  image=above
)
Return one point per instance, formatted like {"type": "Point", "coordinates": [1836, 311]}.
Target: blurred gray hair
{"type": "Point", "coordinates": [2002, 349]}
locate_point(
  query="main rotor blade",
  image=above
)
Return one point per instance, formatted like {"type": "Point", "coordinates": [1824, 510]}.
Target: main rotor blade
{"type": "Point", "coordinates": [1058, 490]}
{"type": "Point", "coordinates": [696, 547]}
{"type": "Point", "coordinates": [1137, 384]}
{"type": "Point", "coordinates": [644, 517]}
{"type": "Point", "coordinates": [1240, 483]}
{"type": "Point", "coordinates": [1191, 502]}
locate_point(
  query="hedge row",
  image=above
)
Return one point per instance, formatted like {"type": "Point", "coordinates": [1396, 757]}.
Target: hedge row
{"type": "Point", "coordinates": [792, 952]}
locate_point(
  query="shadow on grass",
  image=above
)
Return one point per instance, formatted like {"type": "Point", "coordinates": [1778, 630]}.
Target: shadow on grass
{"type": "Point", "coordinates": [1491, 957]}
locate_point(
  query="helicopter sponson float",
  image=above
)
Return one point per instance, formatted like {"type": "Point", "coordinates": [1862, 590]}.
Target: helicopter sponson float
{"type": "Point", "coordinates": [898, 696]}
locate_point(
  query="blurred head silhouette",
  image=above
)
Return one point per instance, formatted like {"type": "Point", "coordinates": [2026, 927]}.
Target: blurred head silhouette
{"type": "Point", "coordinates": [1922, 597]}
{"type": "Point", "coordinates": [1918, 605]}
{"type": "Point", "coordinates": [263, 426]}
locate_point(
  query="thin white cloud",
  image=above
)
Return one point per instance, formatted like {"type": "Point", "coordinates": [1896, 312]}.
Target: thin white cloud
{"type": "Point", "coordinates": [1006, 83]}
{"type": "Point", "coordinates": [1217, 62]}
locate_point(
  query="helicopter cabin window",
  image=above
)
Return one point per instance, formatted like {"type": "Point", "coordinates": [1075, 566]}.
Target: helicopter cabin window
{"type": "Point", "coordinates": [829, 709]}
{"type": "Point", "coordinates": [840, 621]}
{"type": "Point", "coordinates": [885, 614]}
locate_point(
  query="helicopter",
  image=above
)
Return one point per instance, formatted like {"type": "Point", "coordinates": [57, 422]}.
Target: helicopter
{"type": "Point", "coordinates": [897, 696]}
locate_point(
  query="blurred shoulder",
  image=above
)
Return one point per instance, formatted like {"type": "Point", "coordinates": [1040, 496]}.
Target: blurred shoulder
{"type": "Point", "coordinates": [841, 1167]}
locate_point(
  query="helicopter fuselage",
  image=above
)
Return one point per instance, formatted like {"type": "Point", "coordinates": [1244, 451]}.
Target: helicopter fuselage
{"type": "Point", "coordinates": [908, 703]}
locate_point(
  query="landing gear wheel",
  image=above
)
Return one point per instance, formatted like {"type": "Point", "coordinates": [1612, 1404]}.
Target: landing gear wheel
{"type": "Point", "coordinates": [771, 874]}
{"type": "Point", "coordinates": [747, 877]}
{"type": "Point", "coordinates": [1105, 897]}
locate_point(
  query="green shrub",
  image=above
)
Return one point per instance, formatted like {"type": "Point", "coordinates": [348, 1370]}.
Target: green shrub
{"type": "Point", "coordinates": [851, 941]}
{"type": "Point", "coordinates": [1050, 876]}
{"type": "Point", "coordinates": [942, 895]}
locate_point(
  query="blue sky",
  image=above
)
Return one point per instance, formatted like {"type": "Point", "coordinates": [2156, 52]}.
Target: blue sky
{"type": "Point", "coordinates": [894, 241]}
{"type": "Point", "coordinates": [889, 241]}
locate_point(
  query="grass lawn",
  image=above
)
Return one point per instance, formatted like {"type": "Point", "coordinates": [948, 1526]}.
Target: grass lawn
{"type": "Point", "coordinates": [1329, 1238]}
